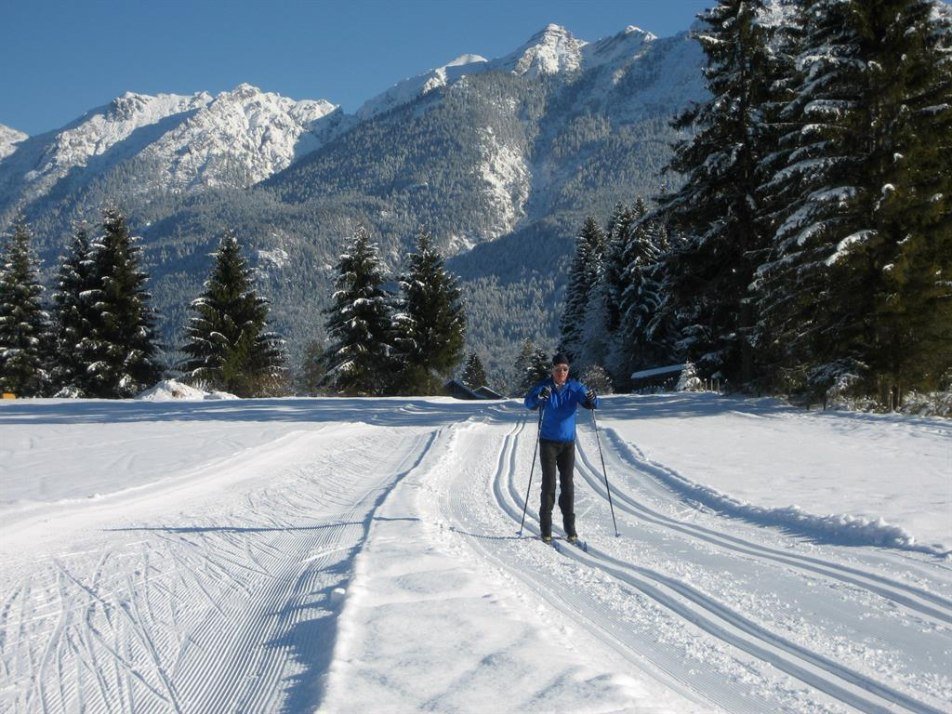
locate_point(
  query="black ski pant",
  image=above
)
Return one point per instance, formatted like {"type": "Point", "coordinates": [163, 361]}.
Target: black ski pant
{"type": "Point", "coordinates": [557, 456]}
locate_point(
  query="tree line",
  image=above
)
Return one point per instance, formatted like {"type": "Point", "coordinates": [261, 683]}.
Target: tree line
{"type": "Point", "coordinates": [809, 248]}
{"type": "Point", "coordinates": [97, 336]}
{"type": "Point", "coordinates": [383, 342]}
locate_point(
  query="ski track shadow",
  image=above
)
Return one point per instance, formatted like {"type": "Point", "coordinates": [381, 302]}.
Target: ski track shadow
{"type": "Point", "coordinates": [393, 411]}
{"type": "Point", "coordinates": [249, 529]}
{"type": "Point", "coordinates": [311, 641]}
{"type": "Point", "coordinates": [488, 536]}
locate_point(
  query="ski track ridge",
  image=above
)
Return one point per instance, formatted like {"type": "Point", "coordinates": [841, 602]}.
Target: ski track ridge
{"type": "Point", "coordinates": [903, 594]}
{"type": "Point", "coordinates": [714, 617]}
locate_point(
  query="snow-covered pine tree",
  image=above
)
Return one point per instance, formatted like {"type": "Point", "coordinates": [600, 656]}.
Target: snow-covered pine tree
{"type": "Point", "coordinates": [73, 317]}
{"type": "Point", "coordinates": [474, 374]}
{"type": "Point", "coordinates": [430, 322]}
{"type": "Point", "coordinates": [24, 328]}
{"type": "Point", "coordinates": [358, 322]}
{"type": "Point", "coordinates": [540, 368]}
{"type": "Point", "coordinates": [689, 381]}
{"type": "Point", "coordinates": [531, 367]}
{"type": "Point", "coordinates": [520, 383]}
{"type": "Point", "coordinates": [913, 348]}
{"type": "Point", "coordinates": [582, 283]}
{"type": "Point", "coordinates": [623, 238]}
{"type": "Point", "coordinates": [617, 237]}
{"type": "Point", "coordinates": [649, 330]}
{"type": "Point", "coordinates": [717, 204]}
{"type": "Point", "coordinates": [310, 380]}
{"type": "Point", "coordinates": [228, 344]}
{"type": "Point", "coordinates": [868, 172]}
{"type": "Point", "coordinates": [122, 344]}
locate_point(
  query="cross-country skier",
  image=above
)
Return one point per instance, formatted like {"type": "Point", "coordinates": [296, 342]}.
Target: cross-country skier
{"type": "Point", "coordinates": [558, 397]}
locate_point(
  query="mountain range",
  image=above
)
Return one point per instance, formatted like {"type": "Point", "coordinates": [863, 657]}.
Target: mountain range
{"type": "Point", "coordinates": [500, 159]}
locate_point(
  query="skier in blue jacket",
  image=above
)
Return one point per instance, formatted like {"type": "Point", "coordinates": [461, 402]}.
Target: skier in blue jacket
{"type": "Point", "coordinates": [558, 397]}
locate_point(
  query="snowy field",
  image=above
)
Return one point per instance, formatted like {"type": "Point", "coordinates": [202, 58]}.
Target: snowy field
{"type": "Point", "coordinates": [347, 555]}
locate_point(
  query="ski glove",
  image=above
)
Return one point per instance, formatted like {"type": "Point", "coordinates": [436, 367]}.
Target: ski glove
{"type": "Point", "coordinates": [545, 394]}
{"type": "Point", "coordinates": [590, 396]}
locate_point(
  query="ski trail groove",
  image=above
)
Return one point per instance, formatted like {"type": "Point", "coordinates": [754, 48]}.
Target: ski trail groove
{"type": "Point", "coordinates": [718, 620]}
{"type": "Point", "coordinates": [909, 596]}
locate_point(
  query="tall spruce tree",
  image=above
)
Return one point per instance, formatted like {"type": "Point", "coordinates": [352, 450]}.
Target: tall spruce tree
{"type": "Point", "coordinates": [430, 324]}
{"type": "Point", "coordinates": [122, 344]}
{"type": "Point", "coordinates": [24, 330]}
{"type": "Point", "coordinates": [583, 281]}
{"type": "Point", "coordinates": [474, 374]}
{"type": "Point", "coordinates": [73, 316]}
{"type": "Point", "coordinates": [717, 207]}
{"type": "Point", "coordinates": [622, 251]}
{"type": "Point", "coordinates": [647, 331]}
{"type": "Point", "coordinates": [868, 174]}
{"type": "Point", "coordinates": [531, 367]}
{"type": "Point", "coordinates": [227, 342]}
{"type": "Point", "coordinates": [358, 323]}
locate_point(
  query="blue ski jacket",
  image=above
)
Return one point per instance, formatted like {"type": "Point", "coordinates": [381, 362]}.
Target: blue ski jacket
{"type": "Point", "coordinates": [558, 415]}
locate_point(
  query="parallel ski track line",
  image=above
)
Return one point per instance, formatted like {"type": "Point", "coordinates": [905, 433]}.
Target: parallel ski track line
{"type": "Point", "coordinates": [240, 687]}
{"type": "Point", "coordinates": [908, 596]}
{"type": "Point", "coordinates": [506, 464]}
{"type": "Point", "coordinates": [720, 621]}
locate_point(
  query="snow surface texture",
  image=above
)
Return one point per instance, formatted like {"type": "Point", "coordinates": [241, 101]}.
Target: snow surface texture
{"type": "Point", "coordinates": [362, 555]}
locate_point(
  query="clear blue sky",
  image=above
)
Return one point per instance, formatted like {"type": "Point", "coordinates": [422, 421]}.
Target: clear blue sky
{"type": "Point", "coordinates": [60, 58]}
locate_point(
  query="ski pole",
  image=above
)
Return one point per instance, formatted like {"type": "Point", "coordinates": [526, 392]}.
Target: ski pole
{"type": "Point", "coordinates": [534, 453]}
{"type": "Point", "coordinates": [604, 473]}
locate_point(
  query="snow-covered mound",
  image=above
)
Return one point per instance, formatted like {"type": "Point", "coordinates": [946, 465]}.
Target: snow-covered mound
{"type": "Point", "coordinates": [170, 390]}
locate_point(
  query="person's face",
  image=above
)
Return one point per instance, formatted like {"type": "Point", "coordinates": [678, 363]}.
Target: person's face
{"type": "Point", "coordinates": [560, 373]}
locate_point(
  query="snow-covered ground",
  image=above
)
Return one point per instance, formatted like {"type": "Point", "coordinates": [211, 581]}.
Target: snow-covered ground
{"type": "Point", "coordinates": [354, 555]}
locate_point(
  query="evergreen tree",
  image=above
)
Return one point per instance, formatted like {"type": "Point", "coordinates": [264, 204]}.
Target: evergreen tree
{"type": "Point", "coordinates": [358, 322]}
{"type": "Point", "coordinates": [624, 244]}
{"type": "Point", "coordinates": [583, 282]}
{"type": "Point", "coordinates": [227, 342]}
{"type": "Point", "coordinates": [859, 265]}
{"type": "Point", "coordinates": [23, 323]}
{"type": "Point", "coordinates": [474, 374]}
{"type": "Point", "coordinates": [520, 381]}
{"type": "Point", "coordinates": [430, 324]}
{"type": "Point", "coordinates": [313, 369]}
{"type": "Point", "coordinates": [73, 317]}
{"type": "Point", "coordinates": [540, 368]}
{"type": "Point", "coordinates": [532, 366]}
{"type": "Point", "coordinates": [647, 332]}
{"type": "Point", "coordinates": [122, 343]}
{"type": "Point", "coordinates": [717, 207]}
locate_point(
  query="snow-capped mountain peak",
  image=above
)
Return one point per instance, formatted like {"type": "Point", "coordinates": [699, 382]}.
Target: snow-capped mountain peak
{"type": "Point", "coordinates": [411, 88]}
{"type": "Point", "coordinates": [236, 138]}
{"type": "Point", "coordinates": [239, 138]}
{"type": "Point", "coordinates": [125, 121]}
{"type": "Point", "coordinates": [9, 138]}
{"type": "Point", "coordinates": [620, 49]}
{"type": "Point", "coordinates": [551, 51]}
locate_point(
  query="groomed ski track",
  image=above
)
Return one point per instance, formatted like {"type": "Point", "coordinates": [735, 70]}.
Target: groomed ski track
{"type": "Point", "coordinates": [370, 560]}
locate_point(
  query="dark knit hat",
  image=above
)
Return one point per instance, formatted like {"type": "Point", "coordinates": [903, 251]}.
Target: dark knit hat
{"type": "Point", "coordinates": [560, 358]}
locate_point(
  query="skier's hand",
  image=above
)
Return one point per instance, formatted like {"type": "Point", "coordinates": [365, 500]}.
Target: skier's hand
{"type": "Point", "coordinates": [591, 396]}
{"type": "Point", "coordinates": [545, 394]}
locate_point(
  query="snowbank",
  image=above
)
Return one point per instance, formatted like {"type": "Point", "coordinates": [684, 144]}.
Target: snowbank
{"type": "Point", "coordinates": [169, 389]}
